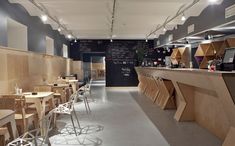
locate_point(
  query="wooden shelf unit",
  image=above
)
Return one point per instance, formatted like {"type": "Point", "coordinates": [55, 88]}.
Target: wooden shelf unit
{"type": "Point", "coordinates": [210, 51]}
{"type": "Point", "coordinates": [204, 53]}
{"type": "Point", "coordinates": [181, 55]}
{"type": "Point", "coordinates": [175, 56]}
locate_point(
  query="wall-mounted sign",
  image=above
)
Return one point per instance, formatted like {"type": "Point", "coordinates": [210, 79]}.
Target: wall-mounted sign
{"type": "Point", "coordinates": [191, 28]}
{"type": "Point", "coordinates": [230, 11]}
{"type": "Point", "coordinates": [170, 38]}
{"type": "Point", "coordinates": [158, 43]}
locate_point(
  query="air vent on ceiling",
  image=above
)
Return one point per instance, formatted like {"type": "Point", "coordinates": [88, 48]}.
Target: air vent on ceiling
{"type": "Point", "coordinates": [230, 11]}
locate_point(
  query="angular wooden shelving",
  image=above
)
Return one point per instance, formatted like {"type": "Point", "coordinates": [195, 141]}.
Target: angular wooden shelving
{"type": "Point", "coordinates": [175, 56]}
{"type": "Point", "coordinates": [204, 53]}
{"type": "Point", "coordinates": [231, 42]}
{"type": "Point", "coordinates": [181, 55]}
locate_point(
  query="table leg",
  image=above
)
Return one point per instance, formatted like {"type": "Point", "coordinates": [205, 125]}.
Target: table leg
{"type": "Point", "coordinates": [11, 125]}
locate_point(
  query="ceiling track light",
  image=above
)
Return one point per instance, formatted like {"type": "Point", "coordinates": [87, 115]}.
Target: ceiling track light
{"type": "Point", "coordinates": [47, 14]}
{"type": "Point", "coordinates": [180, 12]}
{"type": "Point", "coordinates": [69, 36]}
{"type": "Point", "coordinates": [183, 18]}
{"type": "Point", "coordinates": [213, 1]}
{"type": "Point", "coordinates": [164, 29]}
{"type": "Point", "coordinates": [44, 18]}
{"type": "Point", "coordinates": [113, 20]}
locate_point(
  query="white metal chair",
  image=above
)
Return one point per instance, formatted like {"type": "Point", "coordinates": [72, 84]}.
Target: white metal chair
{"type": "Point", "coordinates": [68, 109]}
{"type": "Point", "coordinates": [37, 137]}
{"type": "Point", "coordinates": [81, 94]}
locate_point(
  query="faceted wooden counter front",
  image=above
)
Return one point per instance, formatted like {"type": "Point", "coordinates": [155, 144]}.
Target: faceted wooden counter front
{"type": "Point", "coordinates": [201, 96]}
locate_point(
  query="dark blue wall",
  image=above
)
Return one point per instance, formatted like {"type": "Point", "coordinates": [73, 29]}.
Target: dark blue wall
{"type": "Point", "coordinates": [37, 31]}
{"type": "Point", "coordinates": [120, 58]}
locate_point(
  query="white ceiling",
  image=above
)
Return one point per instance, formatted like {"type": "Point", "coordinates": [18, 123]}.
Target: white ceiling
{"type": "Point", "coordinates": [134, 19]}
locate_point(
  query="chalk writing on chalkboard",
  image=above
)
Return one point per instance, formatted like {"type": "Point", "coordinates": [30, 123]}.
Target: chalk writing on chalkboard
{"type": "Point", "coordinates": [126, 71]}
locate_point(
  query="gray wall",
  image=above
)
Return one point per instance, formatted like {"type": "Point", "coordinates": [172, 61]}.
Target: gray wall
{"type": "Point", "coordinates": [37, 31]}
{"type": "Point", "coordinates": [212, 16]}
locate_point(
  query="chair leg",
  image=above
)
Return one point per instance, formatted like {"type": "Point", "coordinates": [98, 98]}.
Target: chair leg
{"type": "Point", "coordinates": [77, 119]}
{"type": "Point", "coordinates": [73, 125]}
{"type": "Point", "coordinates": [84, 100]}
{"type": "Point", "coordinates": [88, 105]}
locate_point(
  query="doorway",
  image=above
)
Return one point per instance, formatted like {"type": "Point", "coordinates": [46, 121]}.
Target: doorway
{"type": "Point", "coordinates": [98, 68]}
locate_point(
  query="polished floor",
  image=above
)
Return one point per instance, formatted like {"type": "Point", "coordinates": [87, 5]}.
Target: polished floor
{"type": "Point", "coordinates": [124, 117]}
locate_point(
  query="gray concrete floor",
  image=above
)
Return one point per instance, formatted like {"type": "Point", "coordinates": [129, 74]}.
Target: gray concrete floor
{"type": "Point", "coordinates": [124, 117]}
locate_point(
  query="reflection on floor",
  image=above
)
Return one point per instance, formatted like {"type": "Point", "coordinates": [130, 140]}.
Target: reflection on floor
{"type": "Point", "coordinates": [123, 117]}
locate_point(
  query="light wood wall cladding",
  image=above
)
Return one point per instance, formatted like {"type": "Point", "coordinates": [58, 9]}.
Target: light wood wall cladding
{"type": "Point", "coordinates": [27, 69]}
{"type": "Point", "coordinates": [202, 97]}
{"type": "Point", "coordinates": [77, 68]}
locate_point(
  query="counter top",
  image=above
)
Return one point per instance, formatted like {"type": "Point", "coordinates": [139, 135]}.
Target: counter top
{"type": "Point", "coordinates": [187, 70]}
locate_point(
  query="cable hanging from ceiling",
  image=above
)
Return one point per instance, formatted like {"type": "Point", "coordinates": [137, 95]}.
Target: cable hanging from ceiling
{"type": "Point", "coordinates": [47, 15]}
{"type": "Point", "coordinates": [180, 12]}
{"type": "Point", "coordinates": [113, 20]}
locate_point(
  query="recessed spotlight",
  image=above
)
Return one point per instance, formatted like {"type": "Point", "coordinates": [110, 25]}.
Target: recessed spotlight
{"type": "Point", "coordinates": [44, 18]}
{"type": "Point", "coordinates": [111, 40]}
{"type": "Point", "coordinates": [75, 40]}
{"type": "Point", "coordinates": [59, 29]}
{"type": "Point", "coordinates": [146, 40]}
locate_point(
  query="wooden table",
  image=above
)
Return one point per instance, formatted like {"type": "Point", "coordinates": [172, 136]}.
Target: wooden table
{"type": "Point", "coordinates": [7, 117]}
{"type": "Point", "coordinates": [40, 101]}
{"type": "Point", "coordinates": [73, 83]}
{"type": "Point", "coordinates": [59, 90]}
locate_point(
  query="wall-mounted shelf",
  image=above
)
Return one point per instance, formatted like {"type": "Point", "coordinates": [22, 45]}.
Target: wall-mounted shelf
{"type": "Point", "coordinates": [175, 56]}
{"type": "Point", "coordinates": [231, 42]}
{"type": "Point", "coordinates": [181, 55]}
{"type": "Point", "coordinates": [204, 53]}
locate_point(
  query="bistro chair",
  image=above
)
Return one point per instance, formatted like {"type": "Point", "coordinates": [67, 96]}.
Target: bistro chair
{"type": "Point", "coordinates": [81, 94]}
{"type": "Point", "coordinates": [36, 137]}
{"type": "Point", "coordinates": [17, 103]}
{"type": "Point", "coordinates": [68, 109]}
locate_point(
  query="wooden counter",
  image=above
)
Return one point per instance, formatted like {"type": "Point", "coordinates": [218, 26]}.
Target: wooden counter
{"type": "Point", "coordinates": [201, 96]}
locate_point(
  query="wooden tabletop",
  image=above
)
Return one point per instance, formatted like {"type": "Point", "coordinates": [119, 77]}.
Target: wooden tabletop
{"type": "Point", "coordinates": [70, 81]}
{"type": "Point", "coordinates": [39, 94]}
{"type": "Point", "coordinates": [5, 113]}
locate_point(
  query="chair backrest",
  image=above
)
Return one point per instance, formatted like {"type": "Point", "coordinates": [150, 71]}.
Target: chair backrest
{"type": "Point", "coordinates": [68, 92]}
{"type": "Point", "coordinates": [72, 100]}
{"type": "Point", "coordinates": [42, 88]}
{"type": "Point", "coordinates": [60, 81]}
{"type": "Point", "coordinates": [13, 102]}
{"type": "Point", "coordinates": [35, 137]}
{"type": "Point", "coordinates": [70, 78]}
{"type": "Point", "coordinates": [7, 103]}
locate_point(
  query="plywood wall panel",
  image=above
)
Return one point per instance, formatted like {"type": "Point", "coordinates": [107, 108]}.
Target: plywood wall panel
{"type": "Point", "coordinates": [78, 69]}
{"type": "Point", "coordinates": [27, 69]}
